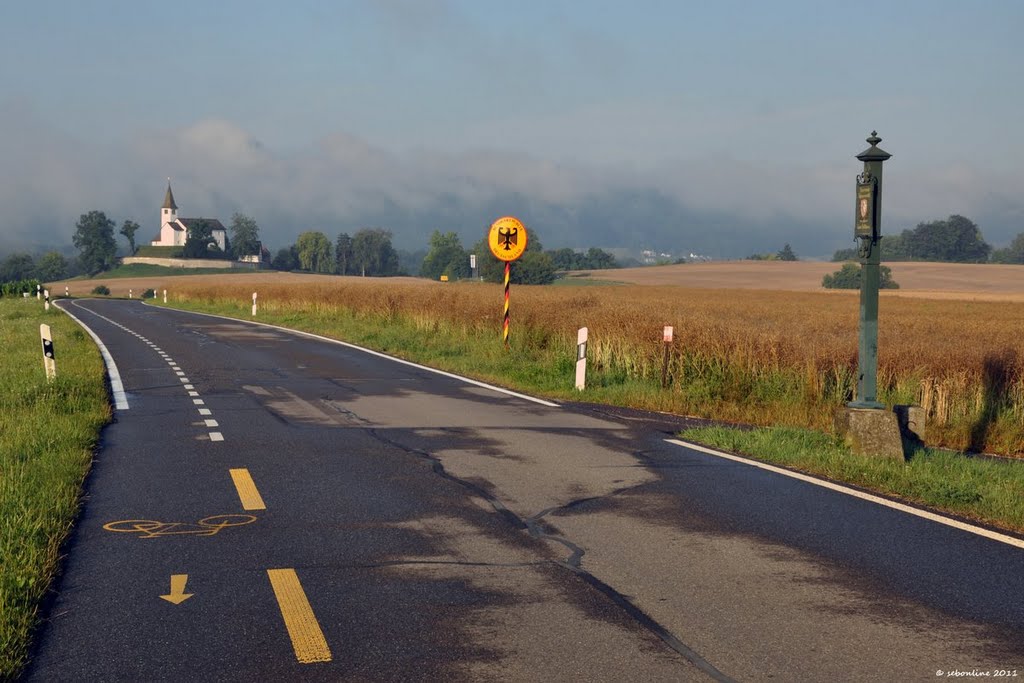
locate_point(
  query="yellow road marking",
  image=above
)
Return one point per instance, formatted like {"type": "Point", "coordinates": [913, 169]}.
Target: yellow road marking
{"type": "Point", "coordinates": [307, 639]}
{"type": "Point", "coordinates": [178, 594]}
{"type": "Point", "coordinates": [247, 493]}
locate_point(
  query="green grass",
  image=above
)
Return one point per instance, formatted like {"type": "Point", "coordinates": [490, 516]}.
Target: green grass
{"type": "Point", "coordinates": [47, 434]}
{"type": "Point", "coordinates": [982, 489]}
{"type": "Point", "coordinates": [150, 251]}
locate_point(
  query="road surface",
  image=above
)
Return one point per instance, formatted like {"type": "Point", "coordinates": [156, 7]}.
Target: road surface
{"type": "Point", "coordinates": [270, 506]}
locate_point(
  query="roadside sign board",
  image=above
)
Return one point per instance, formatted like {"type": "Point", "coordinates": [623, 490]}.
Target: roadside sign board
{"type": "Point", "coordinates": [507, 238]}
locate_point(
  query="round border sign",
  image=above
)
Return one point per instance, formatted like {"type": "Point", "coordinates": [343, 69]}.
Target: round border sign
{"type": "Point", "coordinates": [507, 238]}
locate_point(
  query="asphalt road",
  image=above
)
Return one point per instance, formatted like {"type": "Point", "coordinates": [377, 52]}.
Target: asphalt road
{"type": "Point", "coordinates": [336, 515]}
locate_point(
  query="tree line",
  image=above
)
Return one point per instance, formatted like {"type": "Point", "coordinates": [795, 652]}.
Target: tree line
{"type": "Point", "coordinates": [956, 240]}
{"type": "Point", "coordinates": [369, 252]}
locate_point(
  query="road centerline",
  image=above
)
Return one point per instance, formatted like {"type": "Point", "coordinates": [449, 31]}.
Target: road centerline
{"type": "Point", "coordinates": [307, 639]}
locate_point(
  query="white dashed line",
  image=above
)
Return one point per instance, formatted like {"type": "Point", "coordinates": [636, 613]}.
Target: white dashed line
{"type": "Point", "coordinates": [199, 402]}
{"type": "Point", "coordinates": [179, 373]}
{"type": "Point", "coordinates": [211, 423]}
{"type": "Point", "coordinates": [189, 386]}
{"type": "Point", "coordinates": [184, 379]}
{"type": "Point", "coordinates": [216, 436]}
{"type": "Point", "coordinates": [205, 411]}
{"type": "Point", "coordinates": [193, 393]}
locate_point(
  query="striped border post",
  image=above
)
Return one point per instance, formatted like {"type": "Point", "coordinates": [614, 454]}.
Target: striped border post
{"type": "Point", "coordinates": [504, 326]}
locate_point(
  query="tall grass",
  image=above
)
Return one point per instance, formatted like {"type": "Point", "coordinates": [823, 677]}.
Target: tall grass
{"type": "Point", "coordinates": [47, 434]}
{"type": "Point", "coordinates": [757, 357]}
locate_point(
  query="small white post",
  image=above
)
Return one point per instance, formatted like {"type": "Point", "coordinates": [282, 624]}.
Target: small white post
{"type": "Point", "coordinates": [129, 293]}
{"type": "Point", "coordinates": [49, 359]}
{"type": "Point", "coordinates": [67, 292]}
{"type": "Point", "coordinates": [581, 359]}
{"type": "Point", "coordinates": [39, 290]}
{"type": "Point", "coordinates": [666, 337]}
{"type": "Point", "coordinates": [254, 303]}
{"type": "Point", "coordinates": [165, 296]}
{"type": "Point", "coordinates": [46, 301]}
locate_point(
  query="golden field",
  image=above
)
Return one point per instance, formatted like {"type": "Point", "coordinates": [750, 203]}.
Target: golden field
{"type": "Point", "coordinates": [763, 356]}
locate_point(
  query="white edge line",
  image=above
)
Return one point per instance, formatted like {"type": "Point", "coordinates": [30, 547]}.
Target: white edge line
{"type": "Point", "coordinates": [941, 519]}
{"type": "Point", "coordinates": [300, 333]}
{"type": "Point", "coordinates": [116, 386]}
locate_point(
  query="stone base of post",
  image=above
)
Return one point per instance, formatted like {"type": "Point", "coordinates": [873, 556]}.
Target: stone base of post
{"type": "Point", "coordinates": [871, 432]}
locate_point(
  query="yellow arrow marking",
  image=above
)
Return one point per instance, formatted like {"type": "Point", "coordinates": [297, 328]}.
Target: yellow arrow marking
{"type": "Point", "coordinates": [178, 594]}
{"type": "Point", "coordinates": [247, 492]}
{"type": "Point", "coordinates": [307, 639]}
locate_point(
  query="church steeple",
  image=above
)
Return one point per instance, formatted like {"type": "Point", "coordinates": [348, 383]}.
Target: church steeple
{"type": "Point", "coordinates": [169, 198]}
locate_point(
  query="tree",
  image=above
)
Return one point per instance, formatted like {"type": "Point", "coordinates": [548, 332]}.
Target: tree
{"type": "Point", "coordinates": [200, 242]}
{"type": "Point", "coordinates": [372, 253]}
{"type": "Point", "coordinates": [17, 267]}
{"type": "Point", "coordinates": [445, 256]}
{"type": "Point", "coordinates": [285, 259]}
{"type": "Point", "coordinates": [245, 235]}
{"type": "Point", "coordinates": [598, 259]}
{"type": "Point", "coordinates": [786, 254]}
{"type": "Point", "coordinates": [1011, 254]}
{"type": "Point", "coordinates": [532, 268]}
{"type": "Point", "coordinates": [848, 277]}
{"type": "Point", "coordinates": [52, 266]}
{"type": "Point", "coordinates": [94, 238]}
{"type": "Point", "coordinates": [956, 239]}
{"type": "Point", "coordinates": [315, 252]}
{"type": "Point", "coordinates": [343, 254]}
{"type": "Point", "coordinates": [129, 229]}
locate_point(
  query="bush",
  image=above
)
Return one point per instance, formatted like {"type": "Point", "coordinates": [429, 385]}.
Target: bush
{"type": "Point", "coordinates": [101, 289]}
{"type": "Point", "coordinates": [149, 294]}
{"type": "Point", "coordinates": [848, 277]}
{"type": "Point", "coordinates": [18, 287]}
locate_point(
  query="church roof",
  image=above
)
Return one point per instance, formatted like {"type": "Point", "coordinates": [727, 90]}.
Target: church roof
{"type": "Point", "coordinates": [169, 199]}
{"type": "Point", "coordinates": [212, 222]}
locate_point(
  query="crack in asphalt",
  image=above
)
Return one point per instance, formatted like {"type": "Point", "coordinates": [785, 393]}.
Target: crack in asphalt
{"type": "Point", "coordinates": [535, 527]}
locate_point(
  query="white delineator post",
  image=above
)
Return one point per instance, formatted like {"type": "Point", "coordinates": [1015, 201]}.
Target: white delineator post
{"type": "Point", "coordinates": [129, 293]}
{"type": "Point", "coordinates": [581, 359]}
{"type": "Point", "coordinates": [254, 303]}
{"type": "Point", "coordinates": [67, 292]}
{"type": "Point", "coordinates": [49, 360]}
{"type": "Point", "coordinates": [666, 337]}
{"type": "Point", "coordinates": [165, 296]}
{"type": "Point", "coordinates": [46, 300]}
{"type": "Point", "coordinates": [39, 292]}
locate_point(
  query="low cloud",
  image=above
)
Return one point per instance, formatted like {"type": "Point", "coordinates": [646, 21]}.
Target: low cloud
{"type": "Point", "coordinates": [341, 183]}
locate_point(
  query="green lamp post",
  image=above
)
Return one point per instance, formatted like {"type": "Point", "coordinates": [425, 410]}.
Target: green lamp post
{"type": "Point", "coordinates": [867, 229]}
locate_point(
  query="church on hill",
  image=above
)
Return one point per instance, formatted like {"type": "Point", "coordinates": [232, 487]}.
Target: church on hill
{"type": "Point", "coordinates": [174, 230]}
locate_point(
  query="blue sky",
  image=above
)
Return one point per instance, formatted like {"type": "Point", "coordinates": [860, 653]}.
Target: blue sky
{"type": "Point", "coordinates": [742, 117]}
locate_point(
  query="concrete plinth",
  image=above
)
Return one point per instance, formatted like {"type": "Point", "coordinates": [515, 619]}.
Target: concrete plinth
{"type": "Point", "coordinates": [870, 431]}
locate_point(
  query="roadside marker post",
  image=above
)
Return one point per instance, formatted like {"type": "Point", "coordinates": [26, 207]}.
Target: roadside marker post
{"type": "Point", "coordinates": [581, 359]}
{"type": "Point", "coordinates": [254, 304]}
{"type": "Point", "coordinates": [39, 290]}
{"type": "Point", "coordinates": [49, 359]}
{"type": "Point", "coordinates": [46, 300]}
{"type": "Point", "coordinates": [165, 296]}
{"type": "Point", "coordinates": [67, 292]}
{"type": "Point", "coordinates": [507, 241]}
{"type": "Point", "coordinates": [666, 338]}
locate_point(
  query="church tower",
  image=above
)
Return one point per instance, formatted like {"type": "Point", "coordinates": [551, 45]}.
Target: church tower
{"type": "Point", "coordinates": [169, 211]}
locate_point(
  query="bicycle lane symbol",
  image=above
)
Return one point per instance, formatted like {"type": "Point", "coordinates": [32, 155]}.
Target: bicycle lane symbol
{"type": "Point", "coordinates": [207, 526]}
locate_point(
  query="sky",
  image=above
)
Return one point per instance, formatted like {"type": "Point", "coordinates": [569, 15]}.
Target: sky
{"type": "Point", "coordinates": [723, 128]}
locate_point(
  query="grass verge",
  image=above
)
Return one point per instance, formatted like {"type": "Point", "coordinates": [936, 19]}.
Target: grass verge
{"type": "Point", "coordinates": [982, 489]}
{"type": "Point", "coordinates": [151, 270]}
{"type": "Point", "coordinates": [48, 431]}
